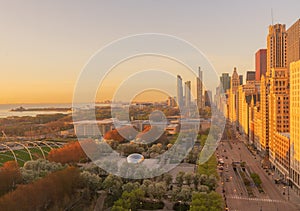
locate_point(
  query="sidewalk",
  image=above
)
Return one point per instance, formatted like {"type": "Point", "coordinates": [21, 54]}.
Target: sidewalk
{"type": "Point", "coordinates": [288, 192]}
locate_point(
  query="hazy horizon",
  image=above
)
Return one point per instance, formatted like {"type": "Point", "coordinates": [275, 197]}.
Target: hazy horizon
{"type": "Point", "coordinates": [45, 45]}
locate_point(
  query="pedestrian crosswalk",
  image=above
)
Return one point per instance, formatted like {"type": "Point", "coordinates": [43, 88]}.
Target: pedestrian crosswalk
{"type": "Point", "coordinates": [255, 199]}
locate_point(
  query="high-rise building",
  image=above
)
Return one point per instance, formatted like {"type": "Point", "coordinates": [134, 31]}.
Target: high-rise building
{"type": "Point", "coordinates": [293, 59]}
{"type": "Point", "coordinates": [275, 97]}
{"type": "Point", "coordinates": [245, 94]}
{"type": "Point", "coordinates": [235, 81]}
{"type": "Point", "coordinates": [232, 96]}
{"type": "Point", "coordinates": [187, 93]}
{"type": "Point", "coordinates": [241, 79]}
{"type": "Point", "coordinates": [276, 59]}
{"type": "Point", "coordinates": [250, 76]}
{"type": "Point", "coordinates": [179, 91]}
{"type": "Point", "coordinates": [225, 81]}
{"type": "Point", "coordinates": [258, 130]}
{"type": "Point", "coordinates": [264, 110]}
{"type": "Point", "coordinates": [278, 99]}
{"type": "Point", "coordinates": [260, 63]}
{"type": "Point", "coordinates": [199, 89]}
{"type": "Point", "coordinates": [294, 123]}
{"type": "Point", "coordinates": [221, 99]}
{"type": "Point", "coordinates": [293, 43]}
{"type": "Point", "coordinates": [207, 98]}
{"type": "Point", "coordinates": [276, 47]}
{"type": "Point", "coordinates": [171, 102]}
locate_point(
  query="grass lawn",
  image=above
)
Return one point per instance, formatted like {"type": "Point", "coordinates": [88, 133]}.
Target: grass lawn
{"type": "Point", "coordinates": [23, 155]}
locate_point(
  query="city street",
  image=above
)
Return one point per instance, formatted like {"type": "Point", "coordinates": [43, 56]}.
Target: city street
{"type": "Point", "coordinates": [237, 197]}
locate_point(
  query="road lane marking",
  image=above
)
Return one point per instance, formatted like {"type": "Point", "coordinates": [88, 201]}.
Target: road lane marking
{"type": "Point", "coordinates": [255, 199]}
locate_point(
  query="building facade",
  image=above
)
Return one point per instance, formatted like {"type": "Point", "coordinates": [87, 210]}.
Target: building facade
{"type": "Point", "coordinates": [179, 92]}
{"type": "Point", "coordinates": [200, 89]}
{"type": "Point", "coordinates": [260, 63]}
{"type": "Point", "coordinates": [264, 110]}
{"type": "Point", "coordinates": [187, 93]}
{"type": "Point", "coordinates": [294, 123]}
{"type": "Point", "coordinates": [293, 43]}
{"type": "Point", "coordinates": [225, 82]}
{"type": "Point", "coordinates": [207, 98]}
{"type": "Point", "coordinates": [250, 76]}
{"type": "Point", "coordinates": [232, 96]}
{"type": "Point", "coordinates": [276, 47]}
{"type": "Point", "coordinates": [278, 112]}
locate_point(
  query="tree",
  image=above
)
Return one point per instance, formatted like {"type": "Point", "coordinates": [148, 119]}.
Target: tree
{"type": "Point", "coordinates": [121, 134]}
{"type": "Point", "coordinates": [10, 175]}
{"type": "Point", "coordinates": [209, 167]}
{"type": "Point", "coordinates": [154, 190]}
{"type": "Point", "coordinates": [203, 188]}
{"type": "Point", "coordinates": [114, 135]}
{"type": "Point", "coordinates": [36, 169]}
{"type": "Point", "coordinates": [130, 186]}
{"type": "Point", "coordinates": [256, 179]}
{"type": "Point", "coordinates": [185, 194]}
{"type": "Point", "coordinates": [91, 181]}
{"type": "Point", "coordinates": [196, 181]}
{"type": "Point", "coordinates": [207, 202]}
{"type": "Point", "coordinates": [69, 153]}
{"type": "Point", "coordinates": [167, 178]}
{"type": "Point", "coordinates": [129, 148]}
{"type": "Point", "coordinates": [188, 178]}
{"type": "Point", "coordinates": [129, 200]}
{"type": "Point", "coordinates": [45, 193]}
{"type": "Point", "coordinates": [113, 185]}
{"type": "Point", "coordinates": [212, 182]}
{"type": "Point", "coordinates": [179, 178]}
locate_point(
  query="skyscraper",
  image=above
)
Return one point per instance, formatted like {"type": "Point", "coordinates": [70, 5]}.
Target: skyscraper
{"type": "Point", "coordinates": [235, 81]}
{"type": "Point", "coordinates": [293, 43]}
{"type": "Point", "coordinates": [225, 81]}
{"type": "Point", "coordinates": [293, 58]}
{"type": "Point", "coordinates": [179, 91]}
{"type": "Point", "coordinates": [260, 63]}
{"type": "Point", "coordinates": [276, 58]}
{"type": "Point", "coordinates": [277, 97]}
{"type": "Point", "coordinates": [250, 76]}
{"type": "Point", "coordinates": [199, 89]}
{"type": "Point", "coordinates": [232, 96]}
{"type": "Point", "coordinates": [207, 98]}
{"type": "Point", "coordinates": [276, 47]}
{"type": "Point", "coordinates": [187, 93]}
{"type": "Point", "coordinates": [294, 123]}
{"type": "Point", "coordinates": [264, 110]}
{"type": "Point", "coordinates": [241, 79]}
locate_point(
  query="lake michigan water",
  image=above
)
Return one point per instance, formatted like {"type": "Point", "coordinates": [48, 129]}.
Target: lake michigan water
{"type": "Point", "coordinates": [5, 109]}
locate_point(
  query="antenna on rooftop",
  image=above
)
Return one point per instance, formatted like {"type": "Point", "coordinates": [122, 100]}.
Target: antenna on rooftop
{"type": "Point", "coordinates": [272, 16]}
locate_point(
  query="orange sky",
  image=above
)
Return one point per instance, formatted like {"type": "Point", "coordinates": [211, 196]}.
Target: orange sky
{"type": "Point", "coordinates": [45, 44]}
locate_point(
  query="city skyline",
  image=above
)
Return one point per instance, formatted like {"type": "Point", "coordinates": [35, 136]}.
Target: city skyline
{"type": "Point", "coordinates": [56, 44]}
{"type": "Point", "coordinates": [264, 111]}
{"type": "Point", "coordinates": [150, 105]}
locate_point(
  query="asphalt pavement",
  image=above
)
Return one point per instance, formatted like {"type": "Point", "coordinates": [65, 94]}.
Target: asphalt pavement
{"type": "Point", "coordinates": [234, 190]}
